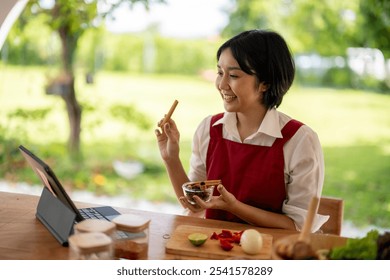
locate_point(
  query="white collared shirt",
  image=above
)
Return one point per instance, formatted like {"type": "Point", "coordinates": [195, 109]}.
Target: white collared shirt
{"type": "Point", "coordinates": [303, 160]}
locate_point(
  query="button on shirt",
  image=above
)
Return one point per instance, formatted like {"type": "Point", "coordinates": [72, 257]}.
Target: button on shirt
{"type": "Point", "coordinates": [303, 168]}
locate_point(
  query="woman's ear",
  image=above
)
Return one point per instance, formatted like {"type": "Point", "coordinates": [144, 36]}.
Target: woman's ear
{"type": "Point", "coordinates": [263, 87]}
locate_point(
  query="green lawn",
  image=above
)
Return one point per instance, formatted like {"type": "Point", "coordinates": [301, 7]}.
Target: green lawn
{"type": "Point", "coordinates": [353, 126]}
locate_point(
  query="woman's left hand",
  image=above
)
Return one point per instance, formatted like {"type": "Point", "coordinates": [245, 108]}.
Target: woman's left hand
{"type": "Point", "coordinates": [224, 201]}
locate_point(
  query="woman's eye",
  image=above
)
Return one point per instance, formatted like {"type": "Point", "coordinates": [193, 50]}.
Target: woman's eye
{"type": "Point", "coordinates": [220, 74]}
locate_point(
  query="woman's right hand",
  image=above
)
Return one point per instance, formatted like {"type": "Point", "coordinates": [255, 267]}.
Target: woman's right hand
{"type": "Point", "coordinates": [168, 140]}
{"type": "Point", "coordinates": [225, 201]}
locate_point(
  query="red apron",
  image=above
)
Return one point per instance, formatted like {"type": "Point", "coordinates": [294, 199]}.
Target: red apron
{"type": "Point", "coordinates": [253, 174]}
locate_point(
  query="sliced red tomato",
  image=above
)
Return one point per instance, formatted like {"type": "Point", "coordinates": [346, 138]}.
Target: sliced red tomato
{"type": "Point", "coordinates": [225, 234]}
{"type": "Point", "coordinates": [214, 236]}
{"type": "Point", "coordinates": [225, 245]}
{"type": "Point", "coordinates": [237, 236]}
{"type": "Point", "coordinates": [227, 238]}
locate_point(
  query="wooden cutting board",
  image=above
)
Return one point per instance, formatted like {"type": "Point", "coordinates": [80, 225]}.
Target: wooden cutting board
{"type": "Point", "coordinates": [180, 245]}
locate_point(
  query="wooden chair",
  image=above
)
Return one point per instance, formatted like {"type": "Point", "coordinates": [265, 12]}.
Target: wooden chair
{"type": "Point", "coordinates": [334, 207]}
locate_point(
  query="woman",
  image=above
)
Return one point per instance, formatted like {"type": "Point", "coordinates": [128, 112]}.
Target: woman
{"type": "Point", "coordinates": [270, 164]}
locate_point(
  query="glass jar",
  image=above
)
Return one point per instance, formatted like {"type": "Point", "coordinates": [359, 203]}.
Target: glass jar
{"type": "Point", "coordinates": [95, 225]}
{"type": "Point", "coordinates": [90, 246]}
{"type": "Point", "coordinates": [132, 237]}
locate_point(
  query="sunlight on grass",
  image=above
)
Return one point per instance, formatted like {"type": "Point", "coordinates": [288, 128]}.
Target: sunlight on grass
{"type": "Point", "coordinates": [386, 149]}
{"type": "Point", "coordinates": [341, 117]}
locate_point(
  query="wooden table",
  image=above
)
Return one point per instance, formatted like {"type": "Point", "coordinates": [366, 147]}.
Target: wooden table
{"type": "Point", "coordinates": [22, 236]}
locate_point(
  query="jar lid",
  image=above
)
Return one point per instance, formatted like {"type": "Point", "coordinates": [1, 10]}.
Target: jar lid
{"type": "Point", "coordinates": [94, 225]}
{"type": "Point", "coordinates": [131, 223]}
{"type": "Point", "coordinates": [91, 242]}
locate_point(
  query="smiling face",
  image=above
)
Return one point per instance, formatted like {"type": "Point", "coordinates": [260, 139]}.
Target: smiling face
{"type": "Point", "coordinates": [240, 91]}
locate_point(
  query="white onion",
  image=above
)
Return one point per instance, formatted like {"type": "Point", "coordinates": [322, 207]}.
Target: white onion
{"type": "Point", "coordinates": [251, 241]}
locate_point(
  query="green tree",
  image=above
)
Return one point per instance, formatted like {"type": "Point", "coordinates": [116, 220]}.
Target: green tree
{"type": "Point", "coordinates": [70, 19]}
{"type": "Point", "coordinates": [327, 27]}
{"type": "Point", "coordinates": [252, 14]}
{"type": "Point", "coordinates": [374, 23]}
{"type": "Point", "coordinates": [320, 26]}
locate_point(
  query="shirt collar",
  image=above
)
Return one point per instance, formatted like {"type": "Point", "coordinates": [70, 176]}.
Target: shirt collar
{"type": "Point", "coordinates": [229, 120]}
{"type": "Point", "coordinates": [269, 126]}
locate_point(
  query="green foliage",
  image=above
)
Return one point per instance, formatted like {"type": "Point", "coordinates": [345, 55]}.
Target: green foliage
{"type": "Point", "coordinates": [35, 45]}
{"type": "Point", "coordinates": [364, 248]}
{"type": "Point", "coordinates": [10, 157]}
{"type": "Point", "coordinates": [99, 50]}
{"type": "Point", "coordinates": [70, 19]}
{"type": "Point", "coordinates": [122, 52]}
{"type": "Point", "coordinates": [129, 114]}
{"type": "Point", "coordinates": [363, 171]}
{"type": "Point", "coordinates": [253, 14]}
{"type": "Point", "coordinates": [374, 19]}
{"type": "Point", "coordinates": [337, 77]}
{"type": "Point", "coordinates": [90, 51]}
{"type": "Point", "coordinates": [153, 54]}
{"type": "Point", "coordinates": [326, 27]}
{"type": "Point", "coordinates": [322, 27]}
{"type": "Point", "coordinates": [32, 114]}
{"type": "Point", "coordinates": [184, 56]}
{"type": "Point", "coordinates": [332, 77]}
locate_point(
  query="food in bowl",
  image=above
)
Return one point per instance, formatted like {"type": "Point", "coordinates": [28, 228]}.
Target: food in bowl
{"type": "Point", "coordinates": [203, 189]}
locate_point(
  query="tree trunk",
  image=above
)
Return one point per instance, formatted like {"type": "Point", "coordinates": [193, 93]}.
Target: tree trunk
{"type": "Point", "coordinates": [74, 116]}
{"type": "Point", "coordinates": [69, 44]}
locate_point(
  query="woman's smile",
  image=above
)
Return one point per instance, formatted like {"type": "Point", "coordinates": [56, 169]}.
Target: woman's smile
{"type": "Point", "coordinates": [228, 97]}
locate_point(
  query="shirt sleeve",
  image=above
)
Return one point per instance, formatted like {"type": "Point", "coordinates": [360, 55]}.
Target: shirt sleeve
{"type": "Point", "coordinates": [304, 171]}
{"type": "Point", "coordinates": [200, 141]}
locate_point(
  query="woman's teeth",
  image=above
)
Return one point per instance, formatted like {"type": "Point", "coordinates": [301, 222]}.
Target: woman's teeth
{"type": "Point", "coordinates": [228, 97]}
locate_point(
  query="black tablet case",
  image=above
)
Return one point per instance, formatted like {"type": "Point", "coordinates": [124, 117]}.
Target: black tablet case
{"type": "Point", "coordinates": [55, 216]}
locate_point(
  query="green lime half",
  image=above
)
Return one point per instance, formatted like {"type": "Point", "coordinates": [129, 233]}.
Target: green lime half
{"type": "Point", "coordinates": [197, 239]}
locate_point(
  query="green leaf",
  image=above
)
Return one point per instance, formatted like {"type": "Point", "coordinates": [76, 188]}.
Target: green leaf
{"type": "Point", "coordinates": [358, 248]}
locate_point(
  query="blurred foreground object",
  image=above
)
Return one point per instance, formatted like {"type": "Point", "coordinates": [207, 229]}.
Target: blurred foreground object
{"type": "Point", "coordinates": [9, 12]}
{"type": "Point", "coordinates": [128, 169]}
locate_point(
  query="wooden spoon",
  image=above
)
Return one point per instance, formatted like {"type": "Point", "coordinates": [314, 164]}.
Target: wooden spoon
{"type": "Point", "coordinates": [301, 249]}
{"type": "Point", "coordinates": [312, 211]}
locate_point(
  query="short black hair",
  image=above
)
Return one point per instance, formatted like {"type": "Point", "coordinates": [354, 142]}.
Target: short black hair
{"type": "Point", "coordinates": [265, 54]}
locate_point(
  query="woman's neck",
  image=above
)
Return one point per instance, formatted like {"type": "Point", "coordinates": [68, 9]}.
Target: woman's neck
{"type": "Point", "coordinates": [249, 122]}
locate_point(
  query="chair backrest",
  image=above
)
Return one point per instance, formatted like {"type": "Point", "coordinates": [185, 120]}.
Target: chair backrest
{"type": "Point", "coordinates": [334, 207]}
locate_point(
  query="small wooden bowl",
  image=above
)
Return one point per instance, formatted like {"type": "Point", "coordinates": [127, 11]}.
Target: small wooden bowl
{"type": "Point", "coordinates": [317, 242]}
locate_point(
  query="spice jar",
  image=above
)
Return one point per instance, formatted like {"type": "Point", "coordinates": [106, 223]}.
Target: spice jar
{"type": "Point", "coordinates": [95, 225]}
{"type": "Point", "coordinates": [90, 246]}
{"type": "Point", "coordinates": [132, 237]}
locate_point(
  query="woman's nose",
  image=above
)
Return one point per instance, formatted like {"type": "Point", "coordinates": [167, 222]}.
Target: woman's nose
{"type": "Point", "coordinates": [222, 82]}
